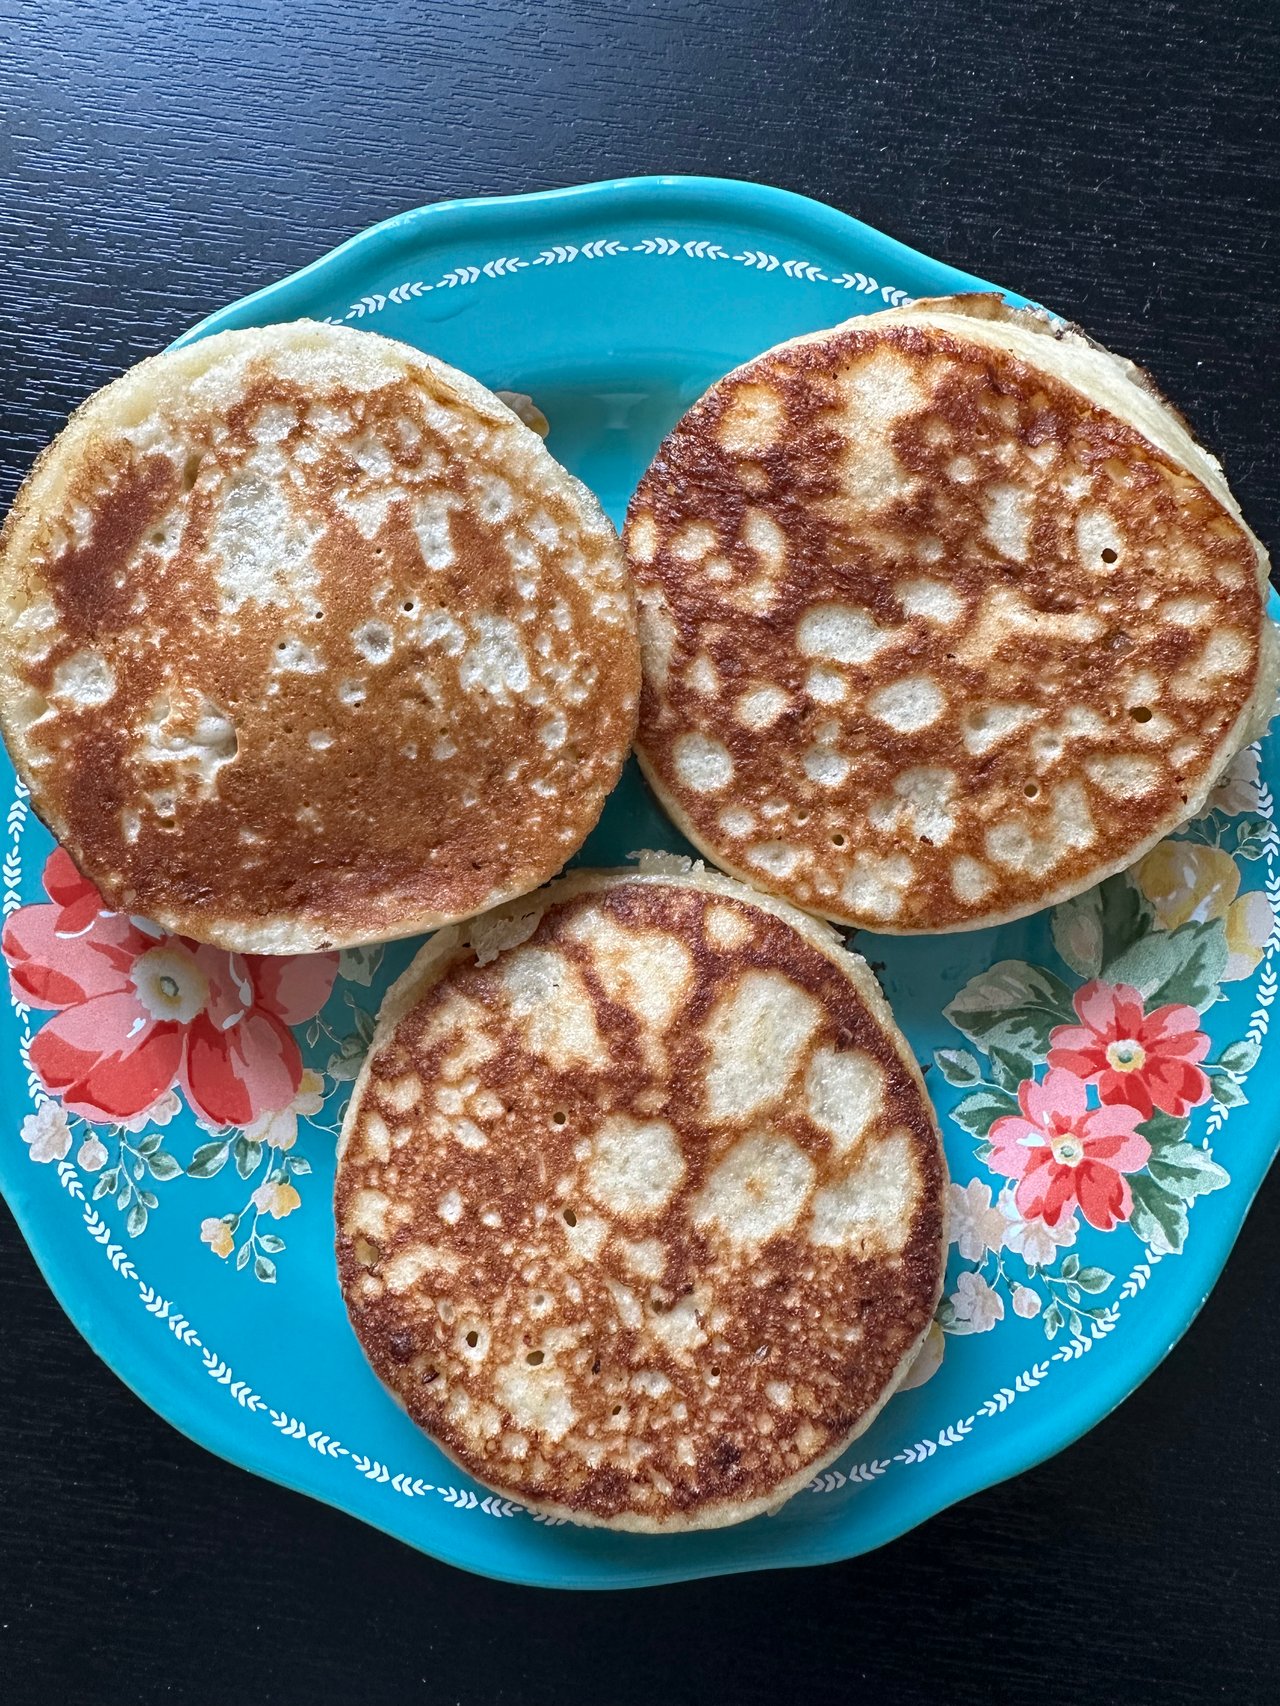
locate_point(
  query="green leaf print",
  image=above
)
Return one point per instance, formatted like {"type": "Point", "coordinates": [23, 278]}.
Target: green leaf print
{"type": "Point", "coordinates": [957, 1066]}
{"type": "Point", "coordinates": [1184, 965]}
{"type": "Point", "coordinates": [1011, 1006]}
{"type": "Point", "coordinates": [1159, 1216]}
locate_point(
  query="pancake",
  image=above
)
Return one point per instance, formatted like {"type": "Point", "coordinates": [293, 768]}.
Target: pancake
{"type": "Point", "coordinates": [640, 1199]}
{"type": "Point", "coordinates": [306, 640]}
{"type": "Point", "coordinates": [945, 617]}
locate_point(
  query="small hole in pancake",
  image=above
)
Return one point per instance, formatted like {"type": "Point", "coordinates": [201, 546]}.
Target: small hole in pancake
{"type": "Point", "coordinates": [157, 538]}
{"type": "Point", "coordinates": [534, 1358]}
{"type": "Point", "coordinates": [595, 1367]}
{"type": "Point", "coordinates": [656, 1303]}
{"type": "Point", "coordinates": [1141, 713]}
{"type": "Point", "coordinates": [408, 607]}
{"type": "Point", "coordinates": [617, 1409]}
{"type": "Point", "coordinates": [190, 472]}
{"type": "Point", "coordinates": [570, 1218]}
{"type": "Point", "coordinates": [1109, 556]}
{"type": "Point", "coordinates": [715, 1371]}
{"type": "Point", "coordinates": [1031, 790]}
{"type": "Point", "coordinates": [473, 1338]}
{"type": "Point", "coordinates": [837, 840]}
{"type": "Point", "coordinates": [430, 1375]}
{"type": "Point", "coordinates": [762, 1352]}
{"type": "Point", "coordinates": [559, 1117]}
{"type": "Point", "coordinates": [317, 615]}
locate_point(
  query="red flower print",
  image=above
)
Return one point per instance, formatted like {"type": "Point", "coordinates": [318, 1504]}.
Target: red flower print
{"type": "Point", "coordinates": [137, 1011]}
{"type": "Point", "coordinates": [1063, 1152]}
{"type": "Point", "coordinates": [1147, 1060]}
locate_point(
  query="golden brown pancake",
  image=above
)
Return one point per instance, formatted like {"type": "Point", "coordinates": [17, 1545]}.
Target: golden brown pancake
{"type": "Point", "coordinates": [640, 1200]}
{"type": "Point", "coordinates": [306, 640]}
{"type": "Point", "coordinates": [944, 617]}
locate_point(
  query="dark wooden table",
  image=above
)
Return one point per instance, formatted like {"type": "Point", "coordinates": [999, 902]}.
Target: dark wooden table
{"type": "Point", "coordinates": [1118, 160]}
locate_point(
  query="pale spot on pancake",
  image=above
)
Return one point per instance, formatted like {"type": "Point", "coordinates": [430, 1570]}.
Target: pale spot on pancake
{"type": "Point", "coordinates": [752, 421]}
{"type": "Point", "coordinates": [646, 1257]}
{"type": "Point", "coordinates": [702, 763]}
{"type": "Point", "coordinates": [758, 1190]}
{"type": "Point", "coordinates": [1096, 535]}
{"type": "Point", "coordinates": [402, 1271]}
{"type": "Point", "coordinates": [377, 1136]}
{"type": "Point", "coordinates": [962, 470]}
{"type": "Point", "coordinates": [1186, 611]}
{"type": "Point", "coordinates": [1008, 520]}
{"type": "Point", "coordinates": [536, 1399]}
{"type": "Point", "coordinates": [778, 1392]}
{"type": "Point", "coordinates": [776, 859]}
{"type": "Point", "coordinates": [319, 740]}
{"type": "Point", "coordinates": [971, 881]}
{"type": "Point", "coordinates": [433, 532]}
{"type": "Point", "coordinates": [692, 542]}
{"type": "Point", "coordinates": [495, 662]}
{"type": "Point", "coordinates": [930, 599]}
{"type": "Point", "coordinates": [657, 635]}
{"type": "Point", "coordinates": [826, 686]}
{"type": "Point", "coordinates": [273, 422]}
{"type": "Point", "coordinates": [297, 657]}
{"type": "Point", "coordinates": [726, 928]}
{"type": "Point", "coordinates": [261, 545]}
{"type": "Point", "coordinates": [494, 499]}
{"type": "Point", "coordinates": [1123, 774]}
{"type": "Point", "coordinates": [826, 766]}
{"type": "Point", "coordinates": [761, 533]}
{"type": "Point", "coordinates": [585, 1235]}
{"type": "Point", "coordinates": [875, 884]}
{"type": "Point", "coordinates": [986, 726]}
{"type": "Point", "coordinates": [352, 692]}
{"type": "Point", "coordinates": [760, 707]}
{"type": "Point", "coordinates": [1035, 843]}
{"type": "Point", "coordinates": [635, 1167]}
{"type": "Point", "coordinates": [552, 734]}
{"type": "Point", "coordinates": [1227, 651]}
{"type": "Point", "coordinates": [548, 996]}
{"type": "Point", "coordinates": [870, 1210]}
{"type": "Point", "coordinates": [842, 633]}
{"type": "Point", "coordinates": [844, 1093]}
{"type": "Point", "coordinates": [736, 821]}
{"type": "Point", "coordinates": [920, 801]}
{"type": "Point", "coordinates": [701, 677]}
{"type": "Point", "coordinates": [367, 1214]}
{"type": "Point", "coordinates": [440, 628]}
{"type": "Point", "coordinates": [188, 731]}
{"type": "Point", "coordinates": [755, 1035]}
{"type": "Point", "coordinates": [83, 679]}
{"type": "Point", "coordinates": [908, 705]}
{"type": "Point", "coordinates": [373, 640]}
{"type": "Point", "coordinates": [449, 1208]}
{"type": "Point", "coordinates": [647, 971]}
{"type": "Point", "coordinates": [642, 538]}
{"type": "Point", "coordinates": [679, 1330]}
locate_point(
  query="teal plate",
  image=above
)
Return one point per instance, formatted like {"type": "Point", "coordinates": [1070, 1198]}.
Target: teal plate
{"type": "Point", "coordinates": [199, 1262]}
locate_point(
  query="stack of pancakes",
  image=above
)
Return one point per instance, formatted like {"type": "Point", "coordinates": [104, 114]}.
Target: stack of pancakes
{"type": "Point", "coordinates": [306, 640]}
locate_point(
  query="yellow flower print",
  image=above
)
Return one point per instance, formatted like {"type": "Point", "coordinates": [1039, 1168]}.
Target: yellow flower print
{"type": "Point", "coordinates": [217, 1235]}
{"type": "Point", "coordinates": [1250, 922]}
{"type": "Point", "coordinates": [276, 1200]}
{"type": "Point", "coordinates": [1187, 882]}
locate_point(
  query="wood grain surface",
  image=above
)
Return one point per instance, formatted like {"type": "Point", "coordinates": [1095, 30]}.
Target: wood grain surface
{"type": "Point", "coordinates": [1118, 161]}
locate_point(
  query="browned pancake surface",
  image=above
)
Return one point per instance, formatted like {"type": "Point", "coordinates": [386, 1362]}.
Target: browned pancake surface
{"type": "Point", "coordinates": [643, 1219]}
{"type": "Point", "coordinates": [929, 636]}
{"type": "Point", "coordinates": [316, 644]}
